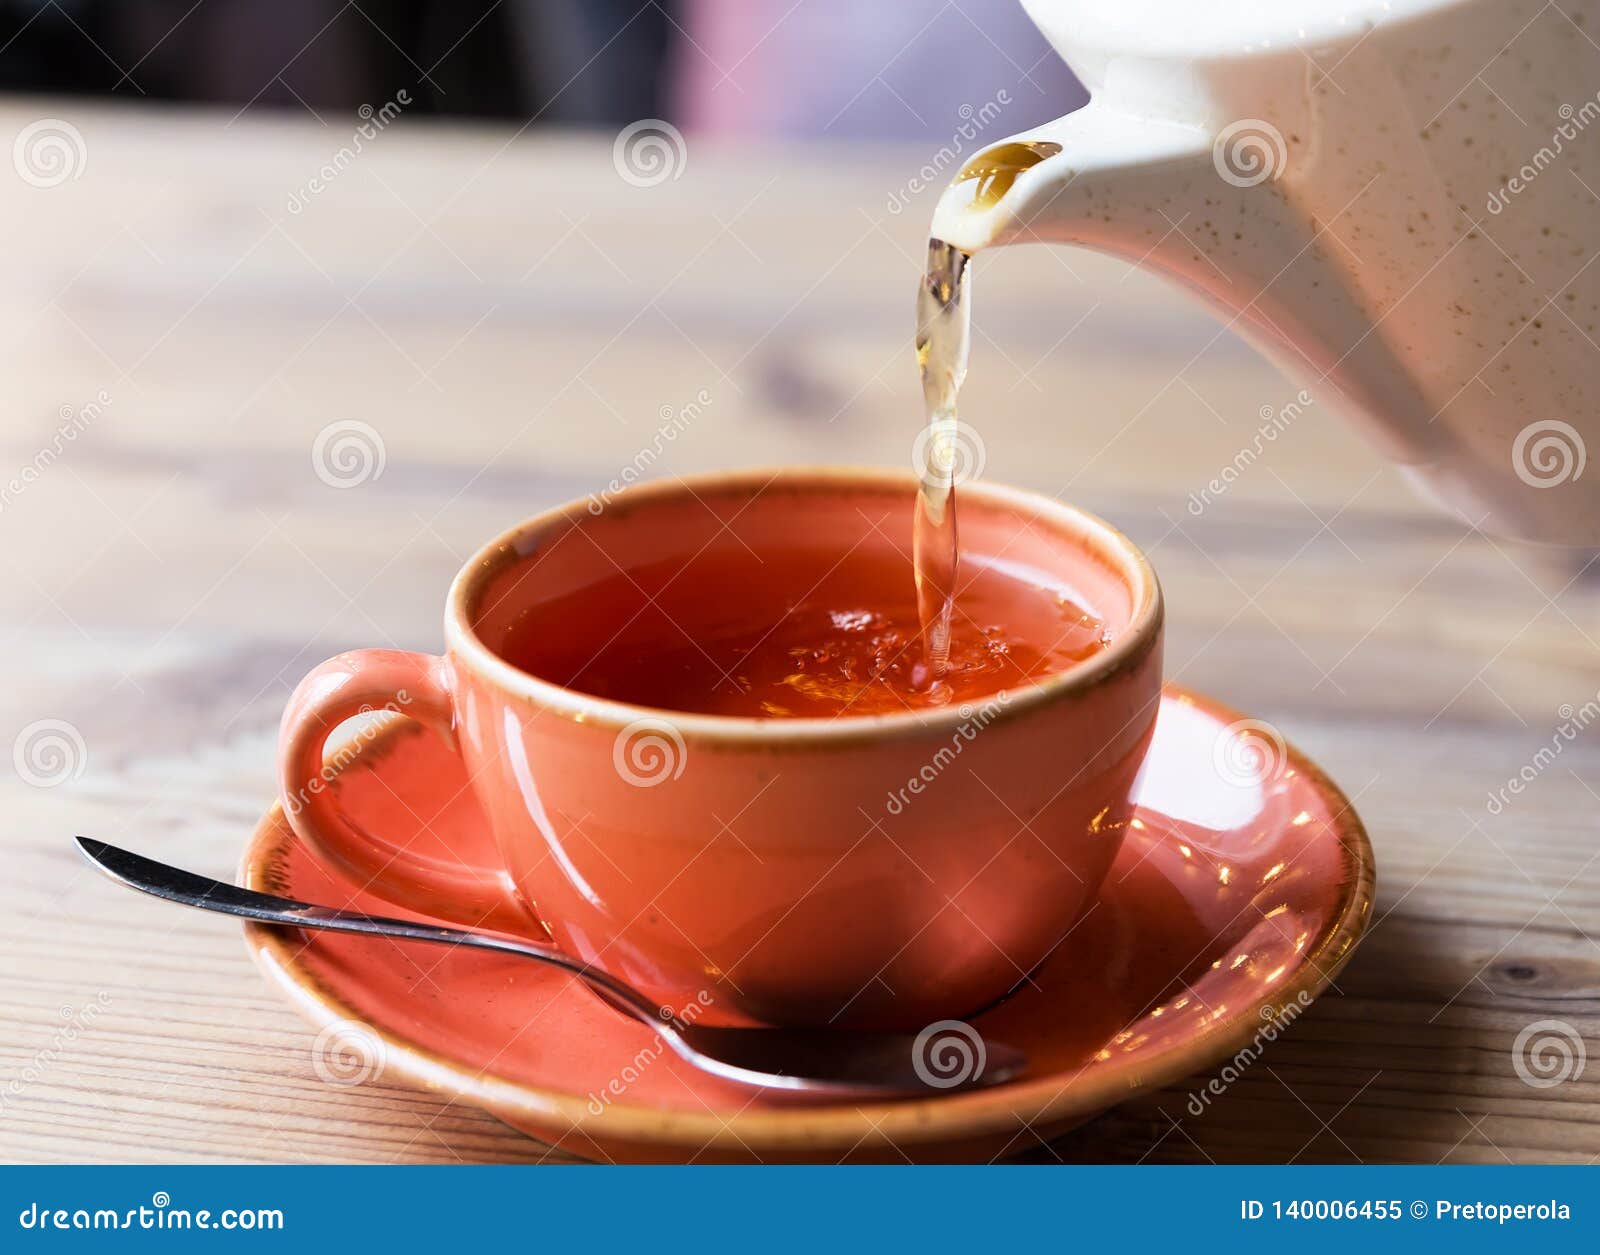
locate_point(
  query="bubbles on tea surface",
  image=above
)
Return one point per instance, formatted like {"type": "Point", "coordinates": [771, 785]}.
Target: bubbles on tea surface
{"type": "Point", "coordinates": [866, 662]}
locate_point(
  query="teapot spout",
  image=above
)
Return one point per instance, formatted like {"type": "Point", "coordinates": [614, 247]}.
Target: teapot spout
{"type": "Point", "coordinates": [1231, 219]}
{"type": "Point", "coordinates": [1093, 178]}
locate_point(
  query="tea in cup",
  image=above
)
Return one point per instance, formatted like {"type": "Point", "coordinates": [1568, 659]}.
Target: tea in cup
{"type": "Point", "coordinates": [694, 720]}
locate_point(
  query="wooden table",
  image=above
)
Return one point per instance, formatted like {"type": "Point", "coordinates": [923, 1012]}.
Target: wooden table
{"type": "Point", "coordinates": [510, 316]}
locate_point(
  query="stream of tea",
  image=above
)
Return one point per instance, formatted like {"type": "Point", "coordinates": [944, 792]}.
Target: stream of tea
{"type": "Point", "coordinates": [858, 642]}
{"type": "Point", "coordinates": [944, 337]}
{"type": "Point", "coordinates": [944, 333]}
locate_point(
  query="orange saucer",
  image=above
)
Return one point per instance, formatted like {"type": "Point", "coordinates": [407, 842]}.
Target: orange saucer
{"type": "Point", "coordinates": [1243, 886]}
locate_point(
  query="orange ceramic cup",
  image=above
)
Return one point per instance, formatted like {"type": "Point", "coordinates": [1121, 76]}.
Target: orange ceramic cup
{"type": "Point", "coordinates": [886, 870]}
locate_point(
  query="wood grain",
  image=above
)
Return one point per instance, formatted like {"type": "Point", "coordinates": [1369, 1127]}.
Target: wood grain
{"type": "Point", "coordinates": [511, 317]}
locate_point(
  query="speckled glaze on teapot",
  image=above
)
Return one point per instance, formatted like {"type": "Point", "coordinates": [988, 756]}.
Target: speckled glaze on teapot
{"type": "Point", "coordinates": [1398, 202]}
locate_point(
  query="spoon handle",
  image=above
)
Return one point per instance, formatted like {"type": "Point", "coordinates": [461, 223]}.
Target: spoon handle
{"type": "Point", "coordinates": [176, 885]}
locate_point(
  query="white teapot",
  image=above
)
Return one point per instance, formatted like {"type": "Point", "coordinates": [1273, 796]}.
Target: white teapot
{"type": "Point", "coordinates": [1398, 202]}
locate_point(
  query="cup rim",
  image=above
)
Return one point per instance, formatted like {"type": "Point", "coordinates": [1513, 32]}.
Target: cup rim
{"type": "Point", "coordinates": [465, 647]}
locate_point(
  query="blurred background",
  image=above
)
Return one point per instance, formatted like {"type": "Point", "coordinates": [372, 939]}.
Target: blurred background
{"type": "Point", "coordinates": [745, 67]}
{"type": "Point", "coordinates": [303, 300]}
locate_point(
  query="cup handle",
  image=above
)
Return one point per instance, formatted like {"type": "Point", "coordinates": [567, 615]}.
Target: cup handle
{"type": "Point", "coordinates": [418, 686]}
